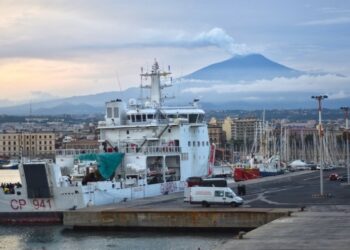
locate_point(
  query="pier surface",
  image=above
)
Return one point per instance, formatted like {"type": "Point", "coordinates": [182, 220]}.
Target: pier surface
{"type": "Point", "coordinates": [303, 230]}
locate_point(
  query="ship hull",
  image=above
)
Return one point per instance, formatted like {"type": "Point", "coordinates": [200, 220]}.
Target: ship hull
{"type": "Point", "coordinates": [243, 174]}
{"type": "Point", "coordinates": [30, 218]}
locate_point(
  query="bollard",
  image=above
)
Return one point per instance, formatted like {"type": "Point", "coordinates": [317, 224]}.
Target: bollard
{"type": "Point", "coordinates": [240, 235]}
{"type": "Point", "coordinates": [239, 189]}
{"type": "Point", "coordinates": [243, 190]}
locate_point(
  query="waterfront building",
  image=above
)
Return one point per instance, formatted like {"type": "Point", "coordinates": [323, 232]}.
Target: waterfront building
{"type": "Point", "coordinates": [30, 144]}
{"type": "Point", "coordinates": [216, 133]}
{"type": "Point", "coordinates": [227, 128]}
{"type": "Point", "coordinates": [247, 129]}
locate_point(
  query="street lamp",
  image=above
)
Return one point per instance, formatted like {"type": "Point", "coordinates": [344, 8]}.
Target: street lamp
{"type": "Point", "coordinates": [319, 99]}
{"type": "Point", "coordinates": [346, 113]}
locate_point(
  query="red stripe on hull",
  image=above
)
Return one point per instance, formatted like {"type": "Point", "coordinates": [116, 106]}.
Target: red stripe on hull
{"type": "Point", "coordinates": [31, 218]}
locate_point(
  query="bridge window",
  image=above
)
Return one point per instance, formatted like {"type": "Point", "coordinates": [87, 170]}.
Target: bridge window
{"type": "Point", "coordinates": [144, 117]}
{"type": "Point", "coordinates": [193, 118]}
{"type": "Point", "coordinates": [116, 112]}
{"type": "Point", "coordinates": [138, 118]}
{"type": "Point", "coordinates": [150, 116]}
{"type": "Point", "coordinates": [189, 143]}
{"type": "Point", "coordinates": [109, 112]}
{"type": "Point", "coordinates": [200, 118]}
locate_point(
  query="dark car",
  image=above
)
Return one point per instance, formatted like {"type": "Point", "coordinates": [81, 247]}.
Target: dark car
{"type": "Point", "coordinates": [333, 177]}
{"type": "Point", "coordinates": [343, 178]}
{"type": "Point", "coordinates": [194, 181]}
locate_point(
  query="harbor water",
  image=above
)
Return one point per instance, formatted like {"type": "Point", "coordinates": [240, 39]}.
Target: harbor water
{"type": "Point", "coordinates": [9, 175]}
{"type": "Point", "coordinates": [56, 237]}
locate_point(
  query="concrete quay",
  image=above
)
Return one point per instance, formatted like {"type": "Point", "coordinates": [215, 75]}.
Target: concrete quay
{"type": "Point", "coordinates": [176, 218]}
{"type": "Point", "coordinates": [302, 230]}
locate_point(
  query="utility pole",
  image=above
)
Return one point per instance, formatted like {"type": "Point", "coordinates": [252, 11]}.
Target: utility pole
{"type": "Point", "coordinates": [320, 133]}
{"type": "Point", "coordinates": [346, 114]}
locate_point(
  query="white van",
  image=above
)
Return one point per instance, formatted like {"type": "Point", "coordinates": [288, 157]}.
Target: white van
{"type": "Point", "coordinates": [214, 195]}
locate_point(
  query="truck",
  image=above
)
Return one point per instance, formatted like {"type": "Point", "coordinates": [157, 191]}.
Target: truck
{"type": "Point", "coordinates": [214, 196]}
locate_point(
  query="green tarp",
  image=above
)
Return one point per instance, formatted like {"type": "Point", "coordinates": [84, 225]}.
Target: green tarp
{"type": "Point", "coordinates": [107, 163]}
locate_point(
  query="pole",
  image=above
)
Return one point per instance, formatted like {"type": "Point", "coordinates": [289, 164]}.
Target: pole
{"type": "Point", "coordinates": [320, 133]}
{"type": "Point", "coordinates": [321, 145]}
{"type": "Point", "coordinates": [346, 113]}
{"type": "Point", "coordinates": [347, 142]}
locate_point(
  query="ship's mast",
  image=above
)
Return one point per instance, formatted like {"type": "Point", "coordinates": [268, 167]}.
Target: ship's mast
{"type": "Point", "coordinates": [155, 86]}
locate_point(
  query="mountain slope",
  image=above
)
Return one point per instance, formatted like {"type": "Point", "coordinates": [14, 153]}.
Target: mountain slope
{"type": "Point", "coordinates": [239, 68]}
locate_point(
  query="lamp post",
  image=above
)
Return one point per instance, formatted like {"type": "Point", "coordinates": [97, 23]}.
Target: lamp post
{"type": "Point", "coordinates": [346, 113]}
{"type": "Point", "coordinates": [319, 99]}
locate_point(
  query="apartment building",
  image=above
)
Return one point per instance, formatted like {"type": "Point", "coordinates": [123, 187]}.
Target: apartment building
{"type": "Point", "coordinates": [246, 129]}
{"type": "Point", "coordinates": [216, 134]}
{"type": "Point", "coordinates": [29, 144]}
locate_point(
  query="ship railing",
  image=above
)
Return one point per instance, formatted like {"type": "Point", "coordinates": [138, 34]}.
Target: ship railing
{"type": "Point", "coordinates": [70, 152]}
{"type": "Point", "coordinates": [161, 149]}
{"type": "Point", "coordinates": [151, 149]}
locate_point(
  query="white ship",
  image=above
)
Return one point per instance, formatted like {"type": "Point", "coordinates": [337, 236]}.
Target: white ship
{"type": "Point", "coordinates": [159, 148]}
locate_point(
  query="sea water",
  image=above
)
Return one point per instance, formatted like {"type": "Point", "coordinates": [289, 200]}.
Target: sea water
{"type": "Point", "coordinates": [9, 176]}
{"type": "Point", "coordinates": [57, 237]}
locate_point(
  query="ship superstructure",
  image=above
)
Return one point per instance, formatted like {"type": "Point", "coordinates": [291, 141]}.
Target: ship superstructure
{"type": "Point", "coordinates": [161, 144]}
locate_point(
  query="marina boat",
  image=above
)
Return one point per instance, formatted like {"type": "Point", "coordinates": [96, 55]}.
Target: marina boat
{"type": "Point", "coordinates": [245, 173]}
{"type": "Point", "coordinates": [269, 167]}
{"type": "Point", "coordinates": [12, 164]}
{"type": "Point", "coordinates": [258, 167]}
{"type": "Point", "coordinates": [146, 149]}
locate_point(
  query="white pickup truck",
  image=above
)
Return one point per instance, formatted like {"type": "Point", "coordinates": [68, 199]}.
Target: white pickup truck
{"type": "Point", "coordinates": [214, 195]}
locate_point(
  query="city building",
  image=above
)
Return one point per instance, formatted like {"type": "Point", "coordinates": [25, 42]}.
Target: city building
{"type": "Point", "coordinates": [28, 144]}
{"type": "Point", "coordinates": [227, 128]}
{"type": "Point", "coordinates": [216, 134]}
{"type": "Point", "coordinates": [247, 129]}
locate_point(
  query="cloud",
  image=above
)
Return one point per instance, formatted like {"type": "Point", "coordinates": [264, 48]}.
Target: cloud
{"type": "Point", "coordinates": [219, 38]}
{"type": "Point", "coordinates": [319, 84]}
{"type": "Point", "coordinates": [331, 21]}
{"type": "Point", "coordinates": [39, 34]}
{"type": "Point", "coordinates": [215, 37]}
{"type": "Point", "coordinates": [42, 96]}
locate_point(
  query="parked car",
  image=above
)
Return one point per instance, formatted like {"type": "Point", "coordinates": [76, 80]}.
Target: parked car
{"type": "Point", "coordinates": [333, 177]}
{"type": "Point", "coordinates": [343, 178]}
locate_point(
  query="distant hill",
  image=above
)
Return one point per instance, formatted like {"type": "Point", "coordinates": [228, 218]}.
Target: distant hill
{"type": "Point", "coordinates": [86, 104]}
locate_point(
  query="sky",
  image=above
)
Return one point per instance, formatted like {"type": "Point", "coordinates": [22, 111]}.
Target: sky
{"type": "Point", "coordinates": [51, 49]}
